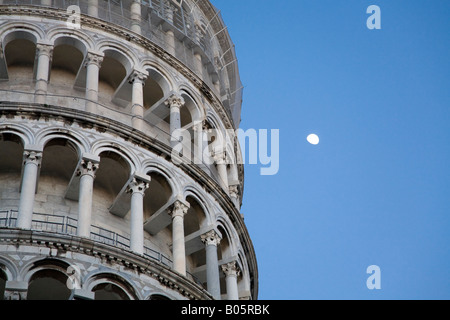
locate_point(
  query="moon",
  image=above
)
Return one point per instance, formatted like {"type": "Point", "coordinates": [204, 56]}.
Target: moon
{"type": "Point", "coordinates": [313, 139]}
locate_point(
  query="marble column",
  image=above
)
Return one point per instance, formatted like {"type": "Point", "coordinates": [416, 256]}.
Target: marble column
{"type": "Point", "coordinates": [44, 54]}
{"type": "Point", "coordinates": [198, 143]}
{"type": "Point", "coordinates": [234, 195]}
{"type": "Point", "coordinates": [32, 161]}
{"type": "Point", "coordinates": [221, 163]}
{"type": "Point", "coordinates": [86, 171]}
{"type": "Point", "coordinates": [92, 8]}
{"type": "Point", "coordinates": [136, 16]}
{"type": "Point", "coordinates": [175, 102]}
{"type": "Point", "coordinates": [137, 79]}
{"type": "Point", "coordinates": [198, 63]}
{"type": "Point", "coordinates": [232, 272]}
{"type": "Point", "coordinates": [137, 189]}
{"type": "Point", "coordinates": [93, 64]}
{"type": "Point", "coordinates": [178, 211]}
{"type": "Point", "coordinates": [211, 240]}
{"type": "Point", "coordinates": [169, 12]}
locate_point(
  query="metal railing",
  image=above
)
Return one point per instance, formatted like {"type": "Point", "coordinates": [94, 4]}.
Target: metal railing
{"type": "Point", "coordinates": [79, 102]}
{"type": "Point", "coordinates": [153, 13]}
{"type": "Point", "coordinates": [67, 225]}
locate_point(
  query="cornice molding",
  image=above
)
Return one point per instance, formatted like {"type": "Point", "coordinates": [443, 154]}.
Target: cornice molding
{"type": "Point", "coordinates": [128, 35]}
{"type": "Point", "coordinates": [155, 270]}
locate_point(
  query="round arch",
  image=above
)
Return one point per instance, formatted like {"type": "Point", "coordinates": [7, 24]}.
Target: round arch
{"type": "Point", "coordinates": [110, 285]}
{"type": "Point", "coordinates": [159, 74]}
{"type": "Point", "coordinates": [230, 249]}
{"type": "Point", "coordinates": [72, 37]}
{"type": "Point", "coordinates": [125, 153]}
{"type": "Point", "coordinates": [119, 52]}
{"type": "Point", "coordinates": [191, 192]}
{"type": "Point", "coordinates": [28, 31]}
{"type": "Point", "coordinates": [192, 103]}
{"type": "Point", "coordinates": [150, 166]}
{"type": "Point", "coordinates": [24, 133]}
{"type": "Point", "coordinates": [44, 136]}
{"type": "Point", "coordinates": [9, 268]}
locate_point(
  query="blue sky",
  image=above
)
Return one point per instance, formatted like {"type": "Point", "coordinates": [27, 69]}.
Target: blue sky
{"type": "Point", "coordinates": [376, 190]}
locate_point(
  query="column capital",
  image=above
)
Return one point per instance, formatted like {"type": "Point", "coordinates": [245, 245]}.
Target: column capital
{"type": "Point", "coordinates": [94, 58]}
{"type": "Point", "coordinates": [200, 31]}
{"type": "Point", "coordinates": [220, 157]}
{"type": "Point", "coordinates": [206, 125]}
{"type": "Point", "coordinates": [44, 49]}
{"type": "Point", "coordinates": [138, 185]}
{"type": "Point", "coordinates": [234, 191]}
{"type": "Point", "coordinates": [87, 167]}
{"type": "Point", "coordinates": [231, 269]}
{"type": "Point", "coordinates": [211, 238]}
{"type": "Point", "coordinates": [175, 101]}
{"type": "Point", "coordinates": [137, 77]}
{"type": "Point", "coordinates": [32, 156]}
{"type": "Point", "coordinates": [179, 209]}
{"type": "Point", "coordinates": [198, 126]}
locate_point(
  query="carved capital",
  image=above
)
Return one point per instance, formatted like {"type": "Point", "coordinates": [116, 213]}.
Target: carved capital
{"type": "Point", "coordinates": [175, 101]}
{"type": "Point", "coordinates": [206, 126]}
{"type": "Point", "coordinates": [231, 269]}
{"type": "Point", "coordinates": [34, 157]}
{"type": "Point", "coordinates": [178, 209]}
{"type": "Point", "coordinates": [200, 31]}
{"type": "Point", "coordinates": [211, 238]}
{"type": "Point", "coordinates": [44, 49]}
{"type": "Point", "coordinates": [137, 77]}
{"type": "Point", "coordinates": [220, 157]}
{"type": "Point", "coordinates": [94, 58]}
{"type": "Point", "coordinates": [234, 191]}
{"type": "Point", "coordinates": [87, 167]}
{"type": "Point", "coordinates": [15, 295]}
{"type": "Point", "coordinates": [138, 186]}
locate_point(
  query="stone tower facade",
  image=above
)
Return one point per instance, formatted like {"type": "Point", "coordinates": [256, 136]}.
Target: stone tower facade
{"type": "Point", "coordinates": [121, 175]}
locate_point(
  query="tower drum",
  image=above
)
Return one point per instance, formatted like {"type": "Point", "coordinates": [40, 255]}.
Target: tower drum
{"type": "Point", "coordinates": [121, 174]}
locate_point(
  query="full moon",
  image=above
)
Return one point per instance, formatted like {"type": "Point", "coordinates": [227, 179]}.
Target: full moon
{"type": "Point", "coordinates": [313, 139]}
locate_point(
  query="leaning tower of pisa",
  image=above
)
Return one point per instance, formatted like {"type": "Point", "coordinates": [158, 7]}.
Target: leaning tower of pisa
{"type": "Point", "coordinates": [121, 175]}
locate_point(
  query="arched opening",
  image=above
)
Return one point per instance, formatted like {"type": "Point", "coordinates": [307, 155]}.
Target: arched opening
{"type": "Point", "coordinates": [195, 217]}
{"type": "Point", "coordinates": [111, 178]}
{"type": "Point", "coordinates": [112, 73]}
{"type": "Point", "coordinates": [48, 284]}
{"type": "Point", "coordinates": [195, 224]}
{"type": "Point", "coordinates": [3, 280]}
{"type": "Point", "coordinates": [66, 62]}
{"type": "Point", "coordinates": [188, 111]}
{"type": "Point", "coordinates": [153, 89]}
{"type": "Point", "coordinates": [110, 286]}
{"type": "Point", "coordinates": [109, 291]}
{"type": "Point", "coordinates": [223, 254]}
{"type": "Point", "coordinates": [157, 195]}
{"type": "Point", "coordinates": [11, 156]}
{"type": "Point", "coordinates": [59, 161]}
{"type": "Point", "coordinates": [159, 297]}
{"type": "Point", "coordinates": [20, 57]}
{"type": "Point", "coordinates": [224, 248]}
{"type": "Point", "coordinates": [111, 184]}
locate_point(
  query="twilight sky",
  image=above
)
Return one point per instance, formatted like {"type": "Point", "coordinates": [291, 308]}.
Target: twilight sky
{"type": "Point", "coordinates": [376, 189]}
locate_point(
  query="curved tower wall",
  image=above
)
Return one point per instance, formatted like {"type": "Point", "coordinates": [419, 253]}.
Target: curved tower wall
{"type": "Point", "coordinates": [120, 171]}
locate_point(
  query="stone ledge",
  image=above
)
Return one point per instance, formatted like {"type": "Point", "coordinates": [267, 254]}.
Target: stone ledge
{"type": "Point", "coordinates": [140, 264]}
